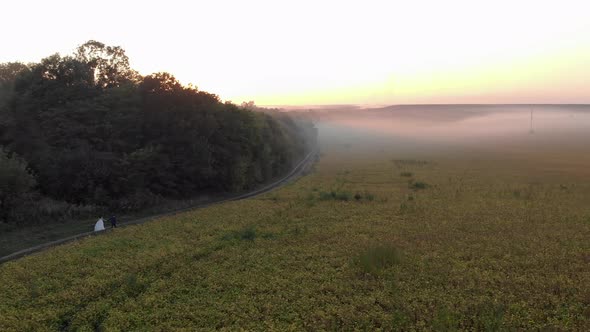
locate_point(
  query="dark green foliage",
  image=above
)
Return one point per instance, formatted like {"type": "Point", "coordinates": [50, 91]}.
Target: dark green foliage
{"type": "Point", "coordinates": [247, 233]}
{"type": "Point", "coordinates": [364, 196]}
{"type": "Point", "coordinates": [94, 132]}
{"type": "Point", "coordinates": [342, 195]}
{"type": "Point", "coordinates": [377, 258]}
{"type": "Point", "coordinates": [325, 196]}
{"type": "Point", "coordinates": [489, 316]}
{"type": "Point", "coordinates": [15, 183]}
{"type": "Point", "coordinates": [337, 195]}
{"type": "Point", "coordinates": [418, 185]}
{"type": "Point", "coordinates": [132, 286]}
{"type": "Point", "coordinates": [445, 320]}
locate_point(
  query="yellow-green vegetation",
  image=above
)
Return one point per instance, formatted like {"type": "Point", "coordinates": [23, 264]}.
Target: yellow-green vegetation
{"type": "Point", "coordinates": [492, 241]}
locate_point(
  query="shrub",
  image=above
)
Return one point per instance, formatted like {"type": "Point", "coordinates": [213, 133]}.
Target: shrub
{"type": "Point", "coordinates": [298, 230]}
{"type": "Point", "coordinates": [342, 196]}
{"type": "Point", "coordinates": [310, 199]}
{"type": "Point", "coordinates": [418, 185]}
{"type": "Point", "coordinates": [445, 320]}
{"type": "Point", "coordinates": [335, 195]}
{"type": "Point", "coordinates": [489, 316]}
{"type": "Point", "coordinates": [247, 233]}
{"type": "Point", "coordinates": [133, 286]}
{"type": "Point", "coordinates": [366, 196]}
{"type": "Point", "coordinates": [324, 196]}
{"type": "Point", "coordinates": [376, 258]}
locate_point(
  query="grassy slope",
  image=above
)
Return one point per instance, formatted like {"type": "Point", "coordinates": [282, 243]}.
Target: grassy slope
{"type": "Point", "coordinates": [14, 240]}
{"type": "Point", "coordinates": [494, 241]}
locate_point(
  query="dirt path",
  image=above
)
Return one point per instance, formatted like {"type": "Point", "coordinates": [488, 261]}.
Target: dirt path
{"type": "Point", "coordinates": [302, 166]}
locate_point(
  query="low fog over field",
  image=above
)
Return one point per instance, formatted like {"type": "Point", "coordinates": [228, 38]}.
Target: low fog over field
{"type": "Point", "coordinates": [556, 137]}
{"type": "Point", "coordinates": [457, 123]}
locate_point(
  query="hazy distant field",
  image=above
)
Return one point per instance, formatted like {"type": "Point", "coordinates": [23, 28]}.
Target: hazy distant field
{"type": "Point", "coordinates": [453, 225]}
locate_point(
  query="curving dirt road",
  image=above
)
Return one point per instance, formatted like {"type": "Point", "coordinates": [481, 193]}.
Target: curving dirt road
{"type": "Point", "coordinates": [303, 165]}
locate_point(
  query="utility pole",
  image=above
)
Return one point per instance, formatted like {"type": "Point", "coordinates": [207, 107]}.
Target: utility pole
{"type": "Point", "coordinates": [531, 130]}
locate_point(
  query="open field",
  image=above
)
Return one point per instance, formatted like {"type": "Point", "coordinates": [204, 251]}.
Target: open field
{"type": "Point", "coordinates": [384, 234]}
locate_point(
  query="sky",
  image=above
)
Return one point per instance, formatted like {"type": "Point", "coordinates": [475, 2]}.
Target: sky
{"type": "Point", "coordinates": [329, 52]}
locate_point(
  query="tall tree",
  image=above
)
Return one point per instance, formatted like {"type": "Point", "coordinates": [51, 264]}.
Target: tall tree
{"type": "Point", "coordinates": [109, 64]}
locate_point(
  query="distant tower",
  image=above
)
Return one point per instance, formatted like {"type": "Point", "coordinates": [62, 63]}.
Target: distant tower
{"type": "Point", "coordinates": [531, 130]}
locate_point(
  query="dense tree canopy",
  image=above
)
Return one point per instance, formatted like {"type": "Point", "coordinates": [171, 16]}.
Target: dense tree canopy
{"type": "Point", "coordinates": [93, 131]}
{"type": "Point", "coordinates": [15, 182]}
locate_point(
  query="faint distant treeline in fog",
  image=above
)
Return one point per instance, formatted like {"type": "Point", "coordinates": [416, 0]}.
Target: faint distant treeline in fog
{"type": "Point", "coordinates": [88, 130]}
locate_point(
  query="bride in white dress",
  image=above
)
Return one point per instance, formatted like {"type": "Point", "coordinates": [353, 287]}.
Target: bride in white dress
{"type": "Point", "coordinates": [99, 226]}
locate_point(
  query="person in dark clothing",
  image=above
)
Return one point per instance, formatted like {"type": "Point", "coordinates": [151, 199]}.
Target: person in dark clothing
{"type": "Point", "coordinates": [113, 221]}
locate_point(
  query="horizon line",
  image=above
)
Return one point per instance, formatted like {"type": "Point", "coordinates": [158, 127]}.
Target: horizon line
{"type": "Point", "coordinates": [311, 106]}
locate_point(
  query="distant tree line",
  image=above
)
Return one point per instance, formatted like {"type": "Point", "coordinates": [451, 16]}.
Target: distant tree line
{"type": "Point", "coordinates": [87, 129]}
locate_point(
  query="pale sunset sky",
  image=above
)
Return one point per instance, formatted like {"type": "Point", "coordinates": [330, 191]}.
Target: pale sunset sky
{"type": "Point", "coordinates": [329, 52]}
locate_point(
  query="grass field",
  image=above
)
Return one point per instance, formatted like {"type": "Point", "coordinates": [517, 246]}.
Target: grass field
{"type": "Point", "coordinates": [379, 236]}
{"type": "Point", "coordinates": [16, 239]}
